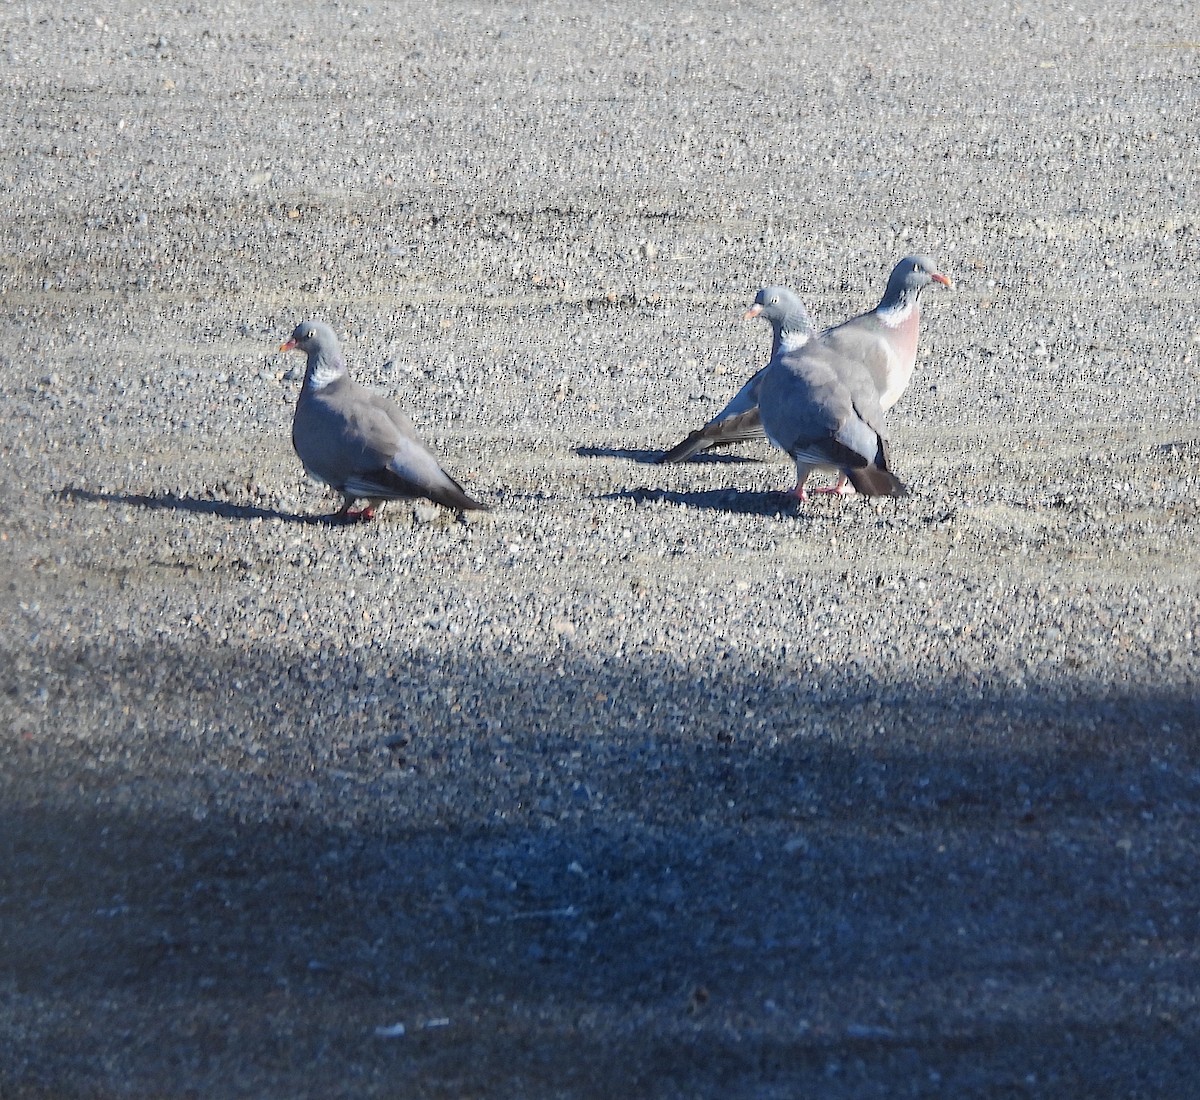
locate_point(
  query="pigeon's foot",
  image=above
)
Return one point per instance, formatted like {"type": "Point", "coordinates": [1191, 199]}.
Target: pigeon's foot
{"type": "Point", "coordinates": [843, 488]}
{"type": "Point", "coordinates": [347, 514]}
{"type": "Point", "coordinates": [798, 492]}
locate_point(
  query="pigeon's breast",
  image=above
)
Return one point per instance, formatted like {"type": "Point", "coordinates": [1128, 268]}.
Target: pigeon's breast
{"type": "Point", "coordinates": [314, 438]}
{"type": "Point", "coordinates": [901, 346]}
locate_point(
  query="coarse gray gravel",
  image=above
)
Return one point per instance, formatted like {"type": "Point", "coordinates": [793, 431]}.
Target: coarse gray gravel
{"type": "Point", "coordinates": [648, 782]}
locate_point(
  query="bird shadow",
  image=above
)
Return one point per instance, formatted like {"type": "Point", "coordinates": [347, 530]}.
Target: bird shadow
{"type": "Point", "coordinates": [652, 458]}
{"type": "Point", "coordinates": [713, 500]}
{"type": "Point", "coordinates": [204, 506]}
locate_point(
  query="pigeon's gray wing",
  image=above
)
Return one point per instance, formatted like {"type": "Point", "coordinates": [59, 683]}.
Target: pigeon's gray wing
{"type": "Point", "coordinates": [824, 411]}
{"type": "Point", "coordinates": [393, 463]}
{"type": "Point", "coordinates": [804, 403]}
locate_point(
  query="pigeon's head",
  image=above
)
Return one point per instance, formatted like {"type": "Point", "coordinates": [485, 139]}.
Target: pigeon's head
{"type": "Point", "coordinates": [913, 274]}
{"type": "Point", "coordinates": [312, 337]}
{"type": "Point", "coordinates": [782, 309]}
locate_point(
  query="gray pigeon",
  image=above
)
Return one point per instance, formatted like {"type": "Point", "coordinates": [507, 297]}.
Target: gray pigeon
{"type": "Point", "coordinates": [823, 409]}
{"type": "Point", "coordinates": [791, 325]}
{"type": "Point", "coordinates": [357, 441]}
{"type": "Point", "coordinates": [884, 340]}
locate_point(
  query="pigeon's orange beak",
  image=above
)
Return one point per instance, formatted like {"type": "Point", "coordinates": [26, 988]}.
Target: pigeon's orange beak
{"type": "Point", "coordinates": [945, 280]}
{"type": "Point", "coordinates": [753, 311]}
{"type": "Point", "coordinates": [288, 345]}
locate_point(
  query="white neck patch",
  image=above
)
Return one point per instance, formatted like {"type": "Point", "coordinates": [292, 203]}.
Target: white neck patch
{"type": "Point", "coordinates": [791, 339]}
{"type": "Point", "coordinates": [899, 313]}
{"type": "Point", "coordinates": [324, 374]}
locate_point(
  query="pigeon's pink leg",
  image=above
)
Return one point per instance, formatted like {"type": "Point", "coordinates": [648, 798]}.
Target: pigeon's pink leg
{"type": "Point", "coordinates": [348, 515]}
{"type": "Point", "coordinates": [843, 488]}
{"type": "Point", "coordinates": [798, 491]}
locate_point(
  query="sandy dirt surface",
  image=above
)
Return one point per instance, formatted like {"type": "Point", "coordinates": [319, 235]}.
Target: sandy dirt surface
{"type": "Point", "coordinates": [647, 782]}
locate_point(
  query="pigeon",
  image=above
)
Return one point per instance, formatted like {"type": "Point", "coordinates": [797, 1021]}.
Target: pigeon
{"type": "Point", "coordinates": [791, 325]}
{"type": "Point", "coordinates": [357, 441]}
{"type": "Point", "coordinates": [883, 339]}
{"type": "Point", "coordinates": [823, 409]}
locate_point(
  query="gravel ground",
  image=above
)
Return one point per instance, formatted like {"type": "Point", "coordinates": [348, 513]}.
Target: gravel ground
{"type": "Point", "coordinates": [647, 782]}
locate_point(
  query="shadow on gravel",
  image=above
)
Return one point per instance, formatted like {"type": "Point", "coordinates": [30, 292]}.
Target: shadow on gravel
{"type": "Point", "coordinates": [578, 877]}
{"type": "Point", "coordinates": [652, 457]}
{"type": "Point", "coordinates": [714, 500]}
{"type": "Point", "coordinates": [206, 506]}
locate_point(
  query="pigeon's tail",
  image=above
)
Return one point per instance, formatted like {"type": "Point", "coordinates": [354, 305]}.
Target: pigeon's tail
{"type": "Point", "coordinates": [455, 496]}
{"type": "Point", "coordinates": [681, 452]}
{"type": "Point", "coordinates": [740, 428]}
{"type": "Point", "coordinates": [871, 481]}
{"type": "Point", "coordinates": [386, 484]}
{"type": "Point", "coordinates": [447, 492]}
